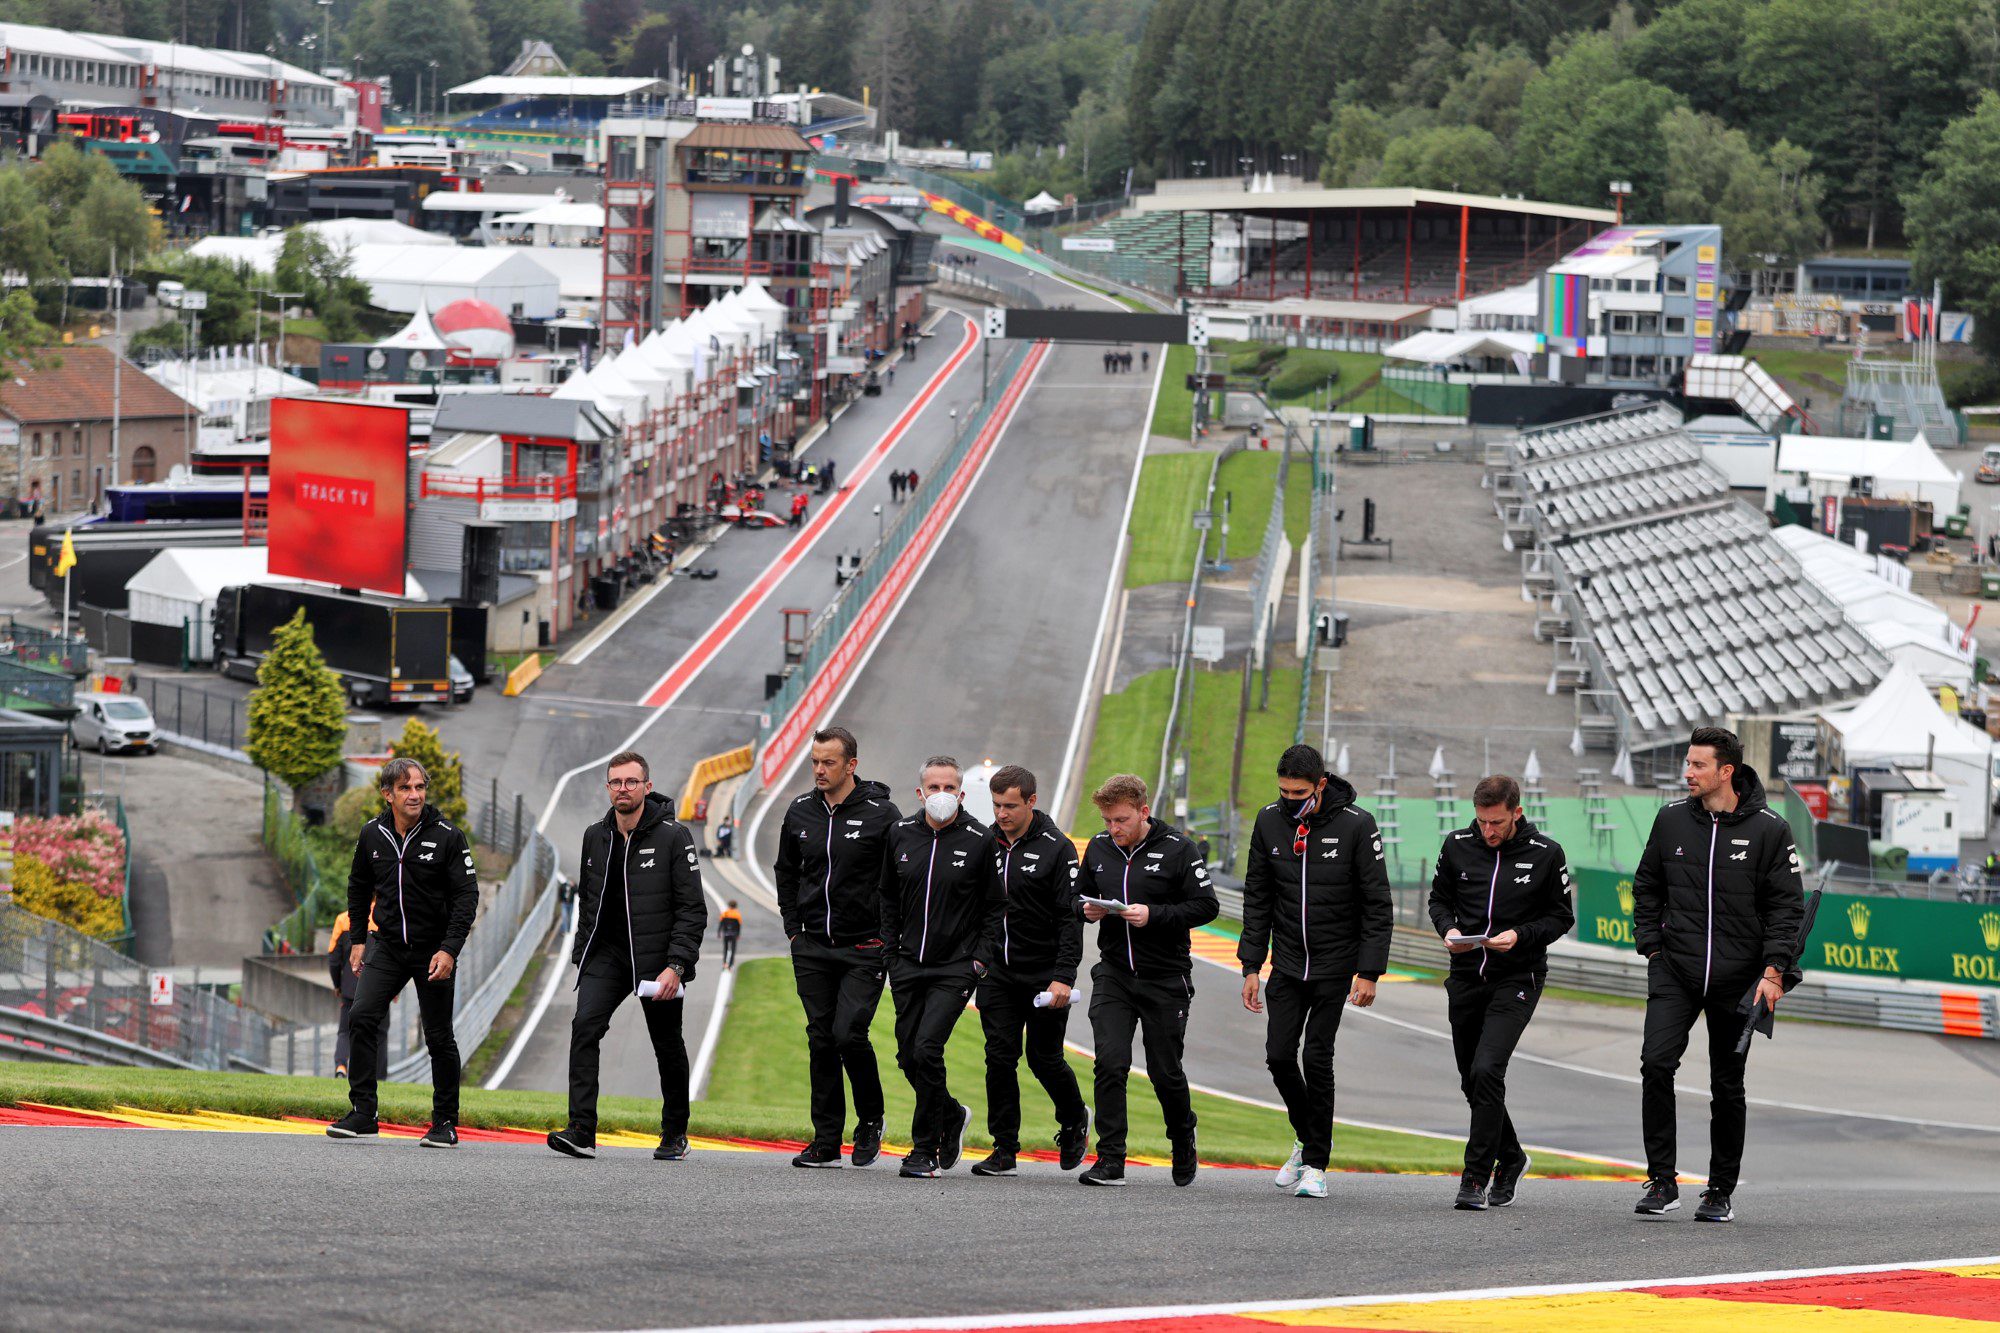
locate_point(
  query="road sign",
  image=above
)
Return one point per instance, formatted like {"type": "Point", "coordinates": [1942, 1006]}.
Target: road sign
{"type": "Point", "coordinates": [996, 321]}
{"type": "Point", "coordinates": [194, 300]}
{"type": "Point", "coordinates": [1207, 643]}
{"type": "Point", "coordinates": [1197, 329]}
{"type": "Point", "coordinates": [160, 989]}
{"type": "Point", "coordinates": [1204, 519]}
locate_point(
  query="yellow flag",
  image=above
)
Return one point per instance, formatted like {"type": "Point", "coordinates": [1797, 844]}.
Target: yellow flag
{"type": "Point", "coordinates": [66, 561]}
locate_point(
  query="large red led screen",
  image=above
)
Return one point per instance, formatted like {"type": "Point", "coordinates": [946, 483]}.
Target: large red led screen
{"type": "Point", "coordinates": [339, 492]}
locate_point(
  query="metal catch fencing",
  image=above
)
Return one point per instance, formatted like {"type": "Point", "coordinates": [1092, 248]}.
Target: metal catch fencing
{"type": "Point", "coordinates": [190, 715]}
{"type": "Point", "coordinates": [66, 996]}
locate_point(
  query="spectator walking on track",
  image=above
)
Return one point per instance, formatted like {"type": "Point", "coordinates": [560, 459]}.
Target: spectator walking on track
{"type": "Point", "coordinates": [1033, 947]}
{"type": "Point", "coordinates": [1717, 902]}
{"type": "Point", "coordinates": [1147, 887]}
{"type": "Point", "coordinates": [895, 485]}
{"type": "Point", "coordinates": [412, 879]}
{"type": "Point", "coordinates": [828, 874]}
{"type": "Point", "coordinates": [640, 931]}
{"type": "Point", "coordinates": [1506, 886]}
{"type": "Point", "coordinates": [1316, 902]}
{"type": "Point", "coordinates": [730, 927]}
{"type": "Point", "coordinates": [725, 837]}
{"type": "Point", "coordinates": [933, 908]}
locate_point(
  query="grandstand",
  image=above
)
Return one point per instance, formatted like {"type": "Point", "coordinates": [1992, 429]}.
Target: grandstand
{"type": "Point", "coordinates": [1399, 245]}
{"type": "Point", "coordinates": [1668, 602]}
{"type": "Point", "coordinates": [572, 104]}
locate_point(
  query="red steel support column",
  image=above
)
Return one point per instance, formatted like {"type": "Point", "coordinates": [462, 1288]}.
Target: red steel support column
{"type": "Point", "coordinates": [1464, 227]}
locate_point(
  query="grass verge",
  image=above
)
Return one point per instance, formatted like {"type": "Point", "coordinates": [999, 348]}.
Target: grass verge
{"type": "Point", "coordinates": [1173, 414]}
{"type": "Point", "coordinates": [1163, 535]}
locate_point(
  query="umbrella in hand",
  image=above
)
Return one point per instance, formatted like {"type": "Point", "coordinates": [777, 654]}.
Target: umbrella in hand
{"type": "Point", "coordinates": [1759, 1016]}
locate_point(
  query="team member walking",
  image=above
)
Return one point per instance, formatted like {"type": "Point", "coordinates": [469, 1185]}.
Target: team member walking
{"type": "Point", "coordinates": [413, 870]}
{"type": "Point", "coordinates": [1507, 887]}
{"type": "Point", "coordinates": [1716, 906]}
{"type": "Point", "coordinates": [730, 928]}
{"type": "Point", "coordinates": [1316, 903]}
{"type": "Point", "coordinates": [829, 878]}
{"type": "Point", "coordinates": [1034, 944]}
{"type": "Point", "coordinates": [1160, 889]}
{"type": "Point", "coordinates": [642, 922]}
{"type": "Point", "coordinates": [933, 905]}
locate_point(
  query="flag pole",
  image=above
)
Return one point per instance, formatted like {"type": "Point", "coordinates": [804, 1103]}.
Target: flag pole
{"type": "Point", "coordinates": [66, 575]}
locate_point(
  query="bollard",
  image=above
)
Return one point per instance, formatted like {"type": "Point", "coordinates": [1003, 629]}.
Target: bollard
{"type": "Point", "coordinates": [291, 1041]}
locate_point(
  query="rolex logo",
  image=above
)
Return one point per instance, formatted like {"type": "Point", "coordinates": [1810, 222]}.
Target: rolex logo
{"type": "Point", "coordinates": [1989, 929]}
{"type": "Point", "coordinates": [1857, 919]}
{"type": "Point", "coordinates": [1625, 896]}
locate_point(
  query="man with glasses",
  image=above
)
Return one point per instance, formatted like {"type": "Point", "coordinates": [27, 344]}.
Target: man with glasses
{"type": "Point", "coordinates": [1316, 902]}
{"type": "Point", "coordinates": [1500, 897]}
{"type": "Point", "coordinates": [639, 933]}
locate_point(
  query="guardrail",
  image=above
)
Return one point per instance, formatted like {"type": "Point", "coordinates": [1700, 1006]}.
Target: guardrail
{"type": "Point", "coordinates": [39, 1038]}
{"type": "Point", "coordinates": [710, 771]}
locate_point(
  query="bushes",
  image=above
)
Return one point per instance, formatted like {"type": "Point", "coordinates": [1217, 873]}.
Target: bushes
{"type": "Point", "coordinates": [352, 811]}
{"type": "Point", "coordinates": [71, 869]}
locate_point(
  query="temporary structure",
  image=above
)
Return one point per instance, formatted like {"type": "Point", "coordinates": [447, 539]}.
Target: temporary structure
{"type": "Point", "coordinates": [1901, 724]}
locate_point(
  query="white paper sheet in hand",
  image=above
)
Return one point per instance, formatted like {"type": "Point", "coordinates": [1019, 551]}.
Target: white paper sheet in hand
{"type": "Point", "coordinates": [1108, 904]}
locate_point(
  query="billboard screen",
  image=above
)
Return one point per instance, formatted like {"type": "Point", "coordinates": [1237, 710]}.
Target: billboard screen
{"type": "Point", "coordinates": [340, 478]}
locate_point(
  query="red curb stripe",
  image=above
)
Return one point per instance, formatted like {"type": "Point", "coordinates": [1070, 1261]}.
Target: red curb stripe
{"type": "Point", "coordinates": [1211, 1323]}
{"type": "Point", "coordinates": [36, 1117]}
{"type": "Point", "coordinates": [1913, 1291]}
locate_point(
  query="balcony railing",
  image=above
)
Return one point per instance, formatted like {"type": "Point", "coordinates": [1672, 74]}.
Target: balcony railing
{"type": "Point", "coordinates": [544, 486]}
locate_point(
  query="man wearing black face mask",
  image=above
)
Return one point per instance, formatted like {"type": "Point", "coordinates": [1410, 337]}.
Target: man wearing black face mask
{"type": "Point", "coordinates": [1316, 898]}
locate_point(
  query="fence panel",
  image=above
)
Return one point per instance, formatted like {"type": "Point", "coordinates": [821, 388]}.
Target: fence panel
{"type": "Point", "coordinates": [188, 714]}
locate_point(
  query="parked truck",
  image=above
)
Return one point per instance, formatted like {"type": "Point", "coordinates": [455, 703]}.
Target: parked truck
{"type": "Point", "coordinates": [385, 652]}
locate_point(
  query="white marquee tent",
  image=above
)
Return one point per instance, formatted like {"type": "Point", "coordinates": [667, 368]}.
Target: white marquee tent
{"type": "Point", "coordinates": [1900, 723]}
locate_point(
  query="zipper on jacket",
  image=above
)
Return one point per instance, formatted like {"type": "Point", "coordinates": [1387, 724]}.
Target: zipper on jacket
{"type": "Point", "coordinates": [625, 863]}
{"type": "Point", "coordinates": [930, 872]}
{"type": "Point", "coordinates": [401, 848]}
{"type": "Point", "coordinates": [1305, 935]}
{"type": "Point", "coordinates": [1006, 904]}
{"type": "Point", "coordinates": [1492, 890]}
{"type": "Point", "coordinates": [1125, 896]}
{"type": "Point", "coordinates": [829, 872]}
{"type": "Point", "coordinates": [1708, 954]}
{"type": "Point", "coordinates": [603, 888]}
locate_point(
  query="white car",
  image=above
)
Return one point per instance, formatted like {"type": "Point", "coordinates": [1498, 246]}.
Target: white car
{"type": "Point", "coordinates": [114, 722]}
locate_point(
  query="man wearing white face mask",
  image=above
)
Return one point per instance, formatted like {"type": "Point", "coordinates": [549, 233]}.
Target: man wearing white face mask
{"type": "Point", "coordinates": [933, 905]}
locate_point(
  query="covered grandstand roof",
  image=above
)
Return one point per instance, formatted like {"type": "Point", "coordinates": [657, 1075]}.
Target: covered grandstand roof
{"type": "Point", "coordinates": [768, 138]}
{"type": "Point", "coordinates": [1435, 347]}
{"type": "Point", "coordinates": [1295, 201]}
{"type": "Point", "coordinates": [562, 85]}
{"type": "Point", "coordinates": [485, 201]}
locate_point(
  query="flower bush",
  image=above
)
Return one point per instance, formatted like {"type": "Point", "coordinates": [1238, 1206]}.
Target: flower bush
{"type": "Point", "coordinates": [83, 849]}
{"type": "Point", "coordinates": [39, 890]}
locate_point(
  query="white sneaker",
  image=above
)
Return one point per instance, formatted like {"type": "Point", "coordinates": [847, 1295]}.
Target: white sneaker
{"type": "Point", "coordinates": [1312, 1183]}
{"type": "Point", "coordinates": [1288, 1174]}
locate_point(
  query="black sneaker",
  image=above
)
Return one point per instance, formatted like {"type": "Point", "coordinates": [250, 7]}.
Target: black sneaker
{"type": "Point", "coordinates": [354, 1125]}
{"type": "Point", "coordinates": [921, 1162]}
{"type": "Point", "coordinates": [819, 1155]}
{"type": "Point", "coordinates": [673, 1149]}
{"type": "Point", "coordinates": [1471, 1194]}
{"type": "Point", "coordinates": [441, 1134]}
{"type": "Point", "coordinates": [1662, 1196]}
{"type": "Point", "coordinates": [1184, 1159]}
{"type": "Point", "coordinates": [1073, 1141]}
{"type": "Point", "coordinates": [999, 1162]}
{"type": "Point", "coordinates": [573, 1143]}
{"type": "Point", "coordinates": [1715, 1207]}
{"type": "Point", "coordinates": [1104, 1171]}
{"type": "Point", "coordinates": [867, 1142]}
{"type": "Point", "coordinates": [953, 1146]}
{"type": "Point", "coordinates": [1506, 1180]}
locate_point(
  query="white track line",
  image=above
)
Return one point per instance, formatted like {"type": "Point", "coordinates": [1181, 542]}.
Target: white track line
{"type": "Point", "coordinates": [527, 1030]}
{"type": "Point", "coordinates": [704, 1060]}
{"type": "Point", "coordinates": [1146, 1312]}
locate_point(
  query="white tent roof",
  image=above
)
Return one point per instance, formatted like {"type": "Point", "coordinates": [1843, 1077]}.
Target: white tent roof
{"type": "Point", "coordinates": [419, 334]}
{"type": "Point", "coordinates": [1911, 461]}
{"type": "Point", "coordinates": [1907, 627]}
{"type": "Point", "coordinates": [1900, 723]}
{"type": "Point", "coordinates": [1605, 266]}
{"type": "Point", "coordinates": [556, 213]}
{"type": "Point", "coordinates": [504, 202]}
{"type": "Point", "coordinates": [1041, 203]}
{"type": "Point", "coordinates": [199, 573]}
{"type": "Point", "coordinates": [578, 388]}
{"type": "Point", "coordinates": [1521, 300]}
{"type": "Point", "coordinates": [1434, 347]}
{"type": "Point", "coordinates": [348, 234]}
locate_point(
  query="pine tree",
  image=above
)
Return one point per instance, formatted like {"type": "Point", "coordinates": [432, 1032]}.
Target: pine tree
{"type": "Point", "coordinates": [298, 713]}
{"type": "Point", "coordinates": [446, 773]}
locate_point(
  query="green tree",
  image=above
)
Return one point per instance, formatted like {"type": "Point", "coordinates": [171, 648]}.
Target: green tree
{"type": "Point", "coordinates": [1488, 93]}
{"type": "Point", "coordinates": [402, 40]}
{"type": "Point", "coordinates": [23, 336]}
{"type": "Point", "coordinates": [1695, 48]}
{"type": "Point", "coordinates": [446, 773]}
{"type": "Point", "coordinates": [298, 712]}
{"type": "Point", "coordinates": [92, 210]}
{"type": "Point", "coordinates": [309, 264]}
{"type": "Point", "coordinates": [1815, 68]}
{"type": "Point", "coordinates": [1355, 142]}
{"type": "Point", "coordinates": [1766, 202]}
{"type": "Point", "coordinates": [1023, 103]}
{"type": "Point", "coordinates": [1446, 157]}
{"type": "Point", "coordinates": [1554, 102]}
{"type": "Point", "coordinates": [1952, 217]}
{"type": "Point", "coordinates": [508, 23]}
{"type": "Point", "coordinates": [26, 247]}
{"type": "Point", "coordinates": [1617, 138]}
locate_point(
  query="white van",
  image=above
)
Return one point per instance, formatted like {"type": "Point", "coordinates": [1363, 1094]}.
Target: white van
{"type": "Point", "coordinates": [114, 722]}
{"type": "Point", "coordinates": [170, 293]}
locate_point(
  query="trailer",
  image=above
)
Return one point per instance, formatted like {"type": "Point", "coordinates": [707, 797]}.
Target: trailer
{"type": "Point", "coordinates": [384, 652]}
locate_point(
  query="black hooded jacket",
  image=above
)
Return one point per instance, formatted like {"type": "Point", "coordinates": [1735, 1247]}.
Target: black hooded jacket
{"type": "Point", "coordinates": [934, 890]}
{"type": "Point", "coordinates": [1327, 912]}
{"type": "Point", "coordinates": [829, 866]}
{"type": "Point", "coordinates": [1165, 872]}
{"type": "Point", "coordinates": [1719, 895]}
{"type": "Point", "coordinates": [1523, 885]}
{"type": "Point", "coordinates": [665, 915]}
{"type": "Point", "coordinates": [1033, 928]}
{"type": "Point", "coordinates": [422, 888]}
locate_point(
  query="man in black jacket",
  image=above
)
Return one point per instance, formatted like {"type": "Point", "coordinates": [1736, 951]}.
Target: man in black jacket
{"type": "Point", "coordinates": [413, 869]}
{"type": "Point", "coordinates": [643, 916]}
{"type": "Point", "coordinates": [1033, 947]}
{"type": "Point", "coordinates": [829, 878]}
{"type": "Point", "coordinates": [1716, 906]}
{"type": "Point", "coordinates": [1151, 889]}
{"type": "Point", "coordinates": [1500, 897]}
{"type": "Point", "coordinates": [933, 903]}
{"type": "Point", "coordinates": [1316, 899]}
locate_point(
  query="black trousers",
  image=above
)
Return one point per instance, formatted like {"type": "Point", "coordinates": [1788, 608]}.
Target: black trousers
{"type": "Point", "coordinates": [1305, 1014]}
{"type": "Point", "coordinates": [1119, 1003]}
{"type": "Point", "coordinates": [839, 985]}
{"type": "Point", "coordinates": [729, 950]}
{"type": "Point", "coordinates": [605, 983]}
{"type": "Point", "coordinates": [1487, 1020]}
{"type": "Point", "coordinates": [1672, 1008]}
{"type": "Point", "coordinates": [386, 968]}
{"type": "Point", "coordinates": [928, 1003]}
{"type": "Point", "coordinates": [1007, 1013]}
